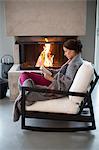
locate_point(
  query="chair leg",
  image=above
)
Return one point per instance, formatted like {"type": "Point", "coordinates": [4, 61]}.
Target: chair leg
{"type": "Point", "coordinates": [92, 112]}
{"type": "Point", "coordinates": [23, 122]}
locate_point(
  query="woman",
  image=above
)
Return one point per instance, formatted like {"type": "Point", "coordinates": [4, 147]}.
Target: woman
{"type": "Point", "coordinates": [61, 79]}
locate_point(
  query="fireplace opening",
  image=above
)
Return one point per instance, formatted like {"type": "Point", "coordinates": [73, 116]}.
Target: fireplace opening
{"type": "Point", "coordinates": [37, 51]}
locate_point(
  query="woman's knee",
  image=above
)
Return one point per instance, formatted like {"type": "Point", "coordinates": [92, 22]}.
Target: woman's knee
{"type": "Point", "coordinates": [28, 83]}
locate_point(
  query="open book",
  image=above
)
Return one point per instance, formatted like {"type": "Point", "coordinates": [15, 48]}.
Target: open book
{"type": "Point", "coordinates": [45, 70]}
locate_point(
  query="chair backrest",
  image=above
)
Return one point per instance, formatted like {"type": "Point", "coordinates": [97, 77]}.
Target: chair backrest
{"type": "Point", "coordinates": [87, 100]}
{"type": "Point", "coordinates": [82, 81]}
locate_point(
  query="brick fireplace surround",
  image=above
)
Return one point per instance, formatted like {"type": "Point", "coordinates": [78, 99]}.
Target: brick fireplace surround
{"type": "Point", "coordinates": [42, 18]}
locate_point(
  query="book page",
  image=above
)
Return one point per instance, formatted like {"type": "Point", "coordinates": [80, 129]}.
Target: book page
{"type": "Point", "coordinates": [45, 70]}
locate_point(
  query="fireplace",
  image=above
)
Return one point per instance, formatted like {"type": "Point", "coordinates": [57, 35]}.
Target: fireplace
{"type": "Point", "coordinates": [33, 50]}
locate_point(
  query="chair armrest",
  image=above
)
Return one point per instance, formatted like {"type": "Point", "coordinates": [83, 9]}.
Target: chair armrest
{"type": "Point", "coordinates": [65, 93]}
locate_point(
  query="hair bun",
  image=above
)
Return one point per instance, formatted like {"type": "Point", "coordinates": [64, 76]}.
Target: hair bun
{"type": "Point", "coordinates": [79, 45]}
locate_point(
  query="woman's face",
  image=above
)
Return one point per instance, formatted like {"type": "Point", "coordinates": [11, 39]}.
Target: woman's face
{"type": "Point", "coordinates": [70, 54]}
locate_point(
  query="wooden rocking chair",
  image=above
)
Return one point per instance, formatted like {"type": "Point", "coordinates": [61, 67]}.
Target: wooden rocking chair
{"type": "Point", "coordinates": [85, 115]}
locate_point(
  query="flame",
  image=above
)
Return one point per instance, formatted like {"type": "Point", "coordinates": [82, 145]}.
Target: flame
{"type": "Point", "coordinates": [48, 57]}
{"type": "Point", "coordinates": [46, 39]}
{"type": "Point", "coordinates": [45, 58]}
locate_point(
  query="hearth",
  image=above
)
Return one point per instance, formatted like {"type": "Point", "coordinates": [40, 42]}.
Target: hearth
{"type": "Point", "coordinates": [35, 51]}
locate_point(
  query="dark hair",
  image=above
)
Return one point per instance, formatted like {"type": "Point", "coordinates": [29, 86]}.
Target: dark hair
{"type": "Point", "coordinates": [73, 44]}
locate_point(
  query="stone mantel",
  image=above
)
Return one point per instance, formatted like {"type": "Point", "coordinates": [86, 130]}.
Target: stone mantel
{"type": "Point", "coordinates": [45, 17]}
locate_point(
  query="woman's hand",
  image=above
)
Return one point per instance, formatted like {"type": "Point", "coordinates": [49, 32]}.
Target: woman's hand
{"type": "Point", "coordinates": [48, 77]}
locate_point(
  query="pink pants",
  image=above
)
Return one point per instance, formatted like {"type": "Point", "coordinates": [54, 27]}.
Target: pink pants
{"type": "Point", "coordinates": [37, 78]}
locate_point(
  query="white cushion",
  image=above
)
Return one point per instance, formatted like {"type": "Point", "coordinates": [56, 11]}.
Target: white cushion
{"type": "Point", "coordinates": [61, 105]}
{"type": "Point", "coordinates": [82, 80]}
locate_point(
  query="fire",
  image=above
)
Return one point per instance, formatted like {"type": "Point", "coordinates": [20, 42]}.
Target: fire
{"type": "Point", "coordinates": [46, 39]}
{"type": "Point", "coordinates": [45, 58]}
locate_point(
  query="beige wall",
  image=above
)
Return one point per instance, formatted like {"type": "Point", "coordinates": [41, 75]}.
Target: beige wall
{"type": "Point", "coordinates": [6, 43]}
{"type": "Point", "coordinates": [57, 17]}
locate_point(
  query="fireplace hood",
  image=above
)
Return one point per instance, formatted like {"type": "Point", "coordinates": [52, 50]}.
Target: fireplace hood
{"type": "Point", "coordinates": [45, 17]}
